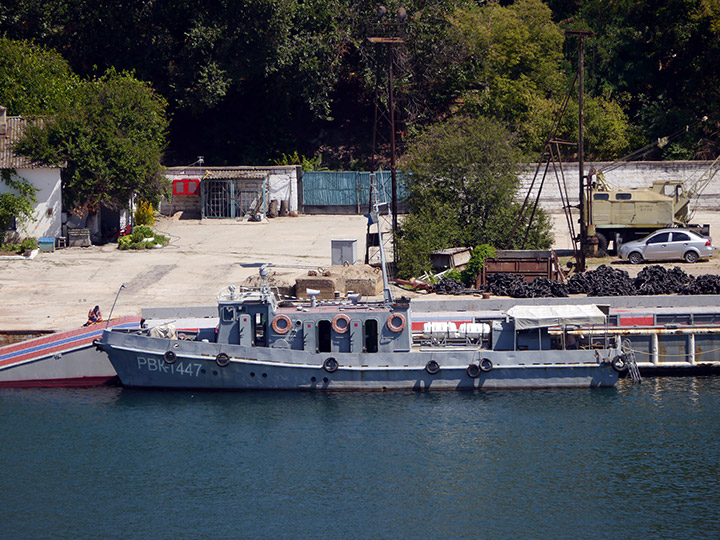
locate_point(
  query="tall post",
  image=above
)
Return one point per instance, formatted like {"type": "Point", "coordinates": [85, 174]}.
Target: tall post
{"type": "Point", "coordinates": [393, 176]}
{"type": "Point", "coordinates": [581, 166]}
{"type": "Point", "coordinates": [585, 215]}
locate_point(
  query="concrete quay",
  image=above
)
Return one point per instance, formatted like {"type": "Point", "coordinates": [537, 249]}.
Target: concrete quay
{"type": "Point", "coordinates": [55, 291]}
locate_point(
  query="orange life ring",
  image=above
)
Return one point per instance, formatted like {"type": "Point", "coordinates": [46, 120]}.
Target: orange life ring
{"type": "Point", "coordinates": [340, 317]}
{"type": "Point", "coordinates": [396, 327]}
{"type": "Point", "coordinates": [278, 329]}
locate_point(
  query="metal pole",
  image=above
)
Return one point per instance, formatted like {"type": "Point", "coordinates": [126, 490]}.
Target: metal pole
{"type": "Point", "coordinates": [113, 306]}
{"type": "Point", "coordinates": [391, 104]}
{"type": "Point", "coordinates": [581, 120]}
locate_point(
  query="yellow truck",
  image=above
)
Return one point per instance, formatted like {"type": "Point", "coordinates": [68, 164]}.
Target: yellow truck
{"type": "Point", "coordinates": [620, 215]}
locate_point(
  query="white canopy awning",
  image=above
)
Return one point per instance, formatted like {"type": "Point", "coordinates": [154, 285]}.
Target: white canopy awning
{"type": "Point", "coordinates": [543, 316]}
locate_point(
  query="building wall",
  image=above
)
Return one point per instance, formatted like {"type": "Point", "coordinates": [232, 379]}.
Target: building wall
{"type": "Point", "coordinates": [638, 174]}
{"type": "Point", "coordinates": [48, 208]}
{"type": "Point", "coordinates": [282, 183]}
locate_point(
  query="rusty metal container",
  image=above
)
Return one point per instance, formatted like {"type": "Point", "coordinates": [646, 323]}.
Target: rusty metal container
{"type": "Point", "coordinates": [529, 264]}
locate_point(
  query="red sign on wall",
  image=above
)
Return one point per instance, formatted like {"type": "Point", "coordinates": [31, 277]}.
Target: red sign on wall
{"type": "Point", "coordinates": [186, 186]}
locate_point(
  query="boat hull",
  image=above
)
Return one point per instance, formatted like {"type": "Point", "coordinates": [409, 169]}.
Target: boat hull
{"type": "Point", "coordinates": [142, 361]}
{"type": "Point", "coordinates": [62, 359]}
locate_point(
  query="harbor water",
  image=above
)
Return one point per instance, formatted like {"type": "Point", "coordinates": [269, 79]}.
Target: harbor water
{"type": "Point", "coordinates": [636, 461]}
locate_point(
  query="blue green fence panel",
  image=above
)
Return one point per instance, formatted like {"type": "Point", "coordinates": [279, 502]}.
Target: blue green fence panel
{"type": "Point", "coordinates": [347, 188]}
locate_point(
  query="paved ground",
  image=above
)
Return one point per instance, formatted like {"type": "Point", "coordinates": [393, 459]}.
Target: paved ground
{"type": "Point", "coordinates": [56, 290]}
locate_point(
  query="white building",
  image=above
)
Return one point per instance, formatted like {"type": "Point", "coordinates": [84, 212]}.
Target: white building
{"type": "Point", "coordinates": [48, 208]}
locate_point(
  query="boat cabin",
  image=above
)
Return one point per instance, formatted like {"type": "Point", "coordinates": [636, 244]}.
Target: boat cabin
{"type": "Point", "coordinates": [256, 319]}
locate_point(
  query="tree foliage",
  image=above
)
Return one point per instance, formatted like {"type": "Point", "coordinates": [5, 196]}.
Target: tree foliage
{"type": "Point", "coordinates": [462, 186]}
{"type": "Point", "coordinates": [35, 80]}
{"type": "Point", "coordinates": [110, 139]}
{"type": "Point", "coordinates": [659, 60]}
{"type": "Point", "coordinates": [249, 80]}
{"type": "Point", "coordinates": [16, 204]}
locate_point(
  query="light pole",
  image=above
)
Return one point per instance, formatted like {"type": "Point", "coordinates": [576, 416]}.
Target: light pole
{"type": "Point", "coordinates": [389, 33]}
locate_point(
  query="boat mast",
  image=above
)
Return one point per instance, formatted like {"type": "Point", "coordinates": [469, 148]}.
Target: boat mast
{"type": "Point", "coordinates": [387, 293]}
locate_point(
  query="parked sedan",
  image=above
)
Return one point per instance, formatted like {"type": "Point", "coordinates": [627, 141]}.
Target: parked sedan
{"type": "Point", "coordinates": [666, 244]}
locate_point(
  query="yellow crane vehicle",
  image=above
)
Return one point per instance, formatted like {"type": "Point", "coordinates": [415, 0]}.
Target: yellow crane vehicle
{"type": "Point", "coordinates": [619, 215]}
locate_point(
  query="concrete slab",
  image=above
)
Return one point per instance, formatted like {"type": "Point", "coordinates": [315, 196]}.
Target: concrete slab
{"type": "Point", "coordinates": [56, 290]}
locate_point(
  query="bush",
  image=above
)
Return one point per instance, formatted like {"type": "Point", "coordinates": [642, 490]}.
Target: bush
{"type": "Point", "coordinates": [10, 248]}
{"type": "Point", "coordinates": [145, 214]}
{"type": "Point", "coordinates": [138, 239]}
{"type": "Point", "coordinates": [469, 275]}
{"type": "Point", "coordinates": [29, 244]}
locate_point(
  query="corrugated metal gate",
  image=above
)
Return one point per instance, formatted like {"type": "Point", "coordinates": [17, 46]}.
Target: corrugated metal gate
{"type": "Point", "coordinates": [232, 198]}
{"type": "Point", "coordinates": [346, 188]}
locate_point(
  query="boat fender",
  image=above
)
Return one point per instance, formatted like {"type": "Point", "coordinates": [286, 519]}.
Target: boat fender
{"type": "Point", "coordinates": [619, 363]}
{"type": "Point", "coordinates": [330, 365]}
{"type": "Point", "coordinates": [473, 371]}
{"type": "Point", "coordinates": [285, 328]}
{"type": "Point", "coordinates": [336, 319]}
{"type": "Point", "coordinates": [432, 367]}
{"type": "Point", "coordinates": [393, 326]}
{"type": "Point", "coordinates": [222, 359]}
{"type": "Point", "coordinates": [170, 357]}
{"type": "Point", "coordinates": [486, 364]}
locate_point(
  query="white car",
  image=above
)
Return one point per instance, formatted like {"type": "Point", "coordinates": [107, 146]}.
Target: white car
{"type": "Point", "coordinates": [667, 244]}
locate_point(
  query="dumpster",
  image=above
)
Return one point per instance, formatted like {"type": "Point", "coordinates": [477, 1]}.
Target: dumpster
{"type": "Point", "coordinates": [46, 244]}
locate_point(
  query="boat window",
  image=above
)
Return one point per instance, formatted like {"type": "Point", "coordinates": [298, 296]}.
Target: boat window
{"type": "Point", "coordinates": [324, 336]}
{"type": "Point", "coordinates": [623, 196]}
{"type": "Point", "coordinates": [371, 335]}
{"type": "Point", "coordinates": [228, 314]}
{"type": "Point", "coordinates": [601, 196]}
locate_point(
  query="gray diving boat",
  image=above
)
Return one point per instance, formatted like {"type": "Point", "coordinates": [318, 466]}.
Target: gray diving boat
{"type": "Point", "coordinates": [262, 343]}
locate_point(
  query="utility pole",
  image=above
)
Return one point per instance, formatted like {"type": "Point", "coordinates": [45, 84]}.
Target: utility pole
{"type": "Point", "coordinates": [585, 213]}
{"type": "Point", "coordinates": [387, 32]}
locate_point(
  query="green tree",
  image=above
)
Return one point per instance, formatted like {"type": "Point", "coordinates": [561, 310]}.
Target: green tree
{"type": "Point", "coordinates": [659, 60]}
{"type": "Point", "coordinates": [462, 192]}
{"type": "Point", "coordinates": [35, 80]}
{"type": "Point", "coordinates": [16, 204]}
{"type": "Point", "coordinates": [110, 138]}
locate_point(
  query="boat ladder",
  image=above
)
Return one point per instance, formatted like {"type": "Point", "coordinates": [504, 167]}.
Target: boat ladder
{"type": "Point", "coordinates": [630, 360]}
